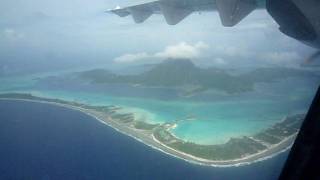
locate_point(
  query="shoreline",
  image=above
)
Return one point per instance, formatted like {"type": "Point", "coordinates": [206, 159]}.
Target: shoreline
{"type": "Point", "coordinates": [148, 139]}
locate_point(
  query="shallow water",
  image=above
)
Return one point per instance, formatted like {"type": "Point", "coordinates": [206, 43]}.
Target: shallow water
{"type": "Point", "coordinates": [215, 120]}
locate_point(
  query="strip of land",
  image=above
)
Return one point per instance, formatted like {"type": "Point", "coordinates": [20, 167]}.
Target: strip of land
{"type": "Point", "coordinates": [237, 151]}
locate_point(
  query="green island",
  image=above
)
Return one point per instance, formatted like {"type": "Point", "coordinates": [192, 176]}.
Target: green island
{"type": "Point", "coordinates": [189, 79]}
{"type": "Point", "coordinates": [238, 150]}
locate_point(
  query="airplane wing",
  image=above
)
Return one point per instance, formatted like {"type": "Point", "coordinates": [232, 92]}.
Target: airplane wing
{"type": "Point", "coordinates": [231, 12]}
{"type": "Point", "coordinates": [296, 18]}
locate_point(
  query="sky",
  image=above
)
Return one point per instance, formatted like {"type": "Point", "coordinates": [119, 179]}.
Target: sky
{"type": "Point", "coordinates": [42, 35]}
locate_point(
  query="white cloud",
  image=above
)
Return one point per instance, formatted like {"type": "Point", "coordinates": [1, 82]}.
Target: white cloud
{"type": "Point", "coordinates": [129, 58]}
{"type": "Point", "coordinates": [181, 50]}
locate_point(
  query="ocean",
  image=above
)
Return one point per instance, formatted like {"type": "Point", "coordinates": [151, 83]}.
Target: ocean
{"type": "Point", "coordinates": [47, 142]}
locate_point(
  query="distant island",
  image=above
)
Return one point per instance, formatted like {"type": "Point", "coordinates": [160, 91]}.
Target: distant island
{"type": "Point", "coordinates": [238, 150]}
{"type": "Point", "coordinates": [190, 79]}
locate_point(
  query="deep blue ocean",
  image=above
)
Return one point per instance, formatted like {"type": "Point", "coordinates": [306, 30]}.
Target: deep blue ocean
{"type": "Point", "coordinates": [46, 142]}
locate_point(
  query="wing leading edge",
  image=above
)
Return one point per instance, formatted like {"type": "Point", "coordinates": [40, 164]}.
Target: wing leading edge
{"type": "Point", "coordinates": [231, 12]}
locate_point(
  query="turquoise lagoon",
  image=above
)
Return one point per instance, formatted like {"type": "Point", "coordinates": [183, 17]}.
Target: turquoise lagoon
{"type": "Point", "coordinates": [212, 122]}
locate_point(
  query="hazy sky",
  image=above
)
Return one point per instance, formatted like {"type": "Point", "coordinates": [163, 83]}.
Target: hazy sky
{"type": "Point", "coordinates": [40, 34]}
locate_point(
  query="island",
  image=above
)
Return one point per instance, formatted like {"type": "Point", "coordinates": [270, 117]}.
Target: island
{"type": "Point", "coordinates": [182, 76]}
{"type": "Point", "coordinates": [236, 151]}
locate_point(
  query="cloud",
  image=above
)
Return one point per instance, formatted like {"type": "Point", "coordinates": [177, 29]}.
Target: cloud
{"type": "Point", "coordinates": [281, 57]}
{"type": "Point", "coordinates": [181, 50]}
{"type": "Point", "coordinates": [12, 34]}
{"type": "Point", "coordinates": [219, 61]}
{"type": "Point", "coordinates": [254, 26]}
{"type": "Point", "coordinates": [232, 51]}
{"type": "Point", "coordinates": [220, 55]}
{"type": "Point", "coordinates": [130, 58]}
